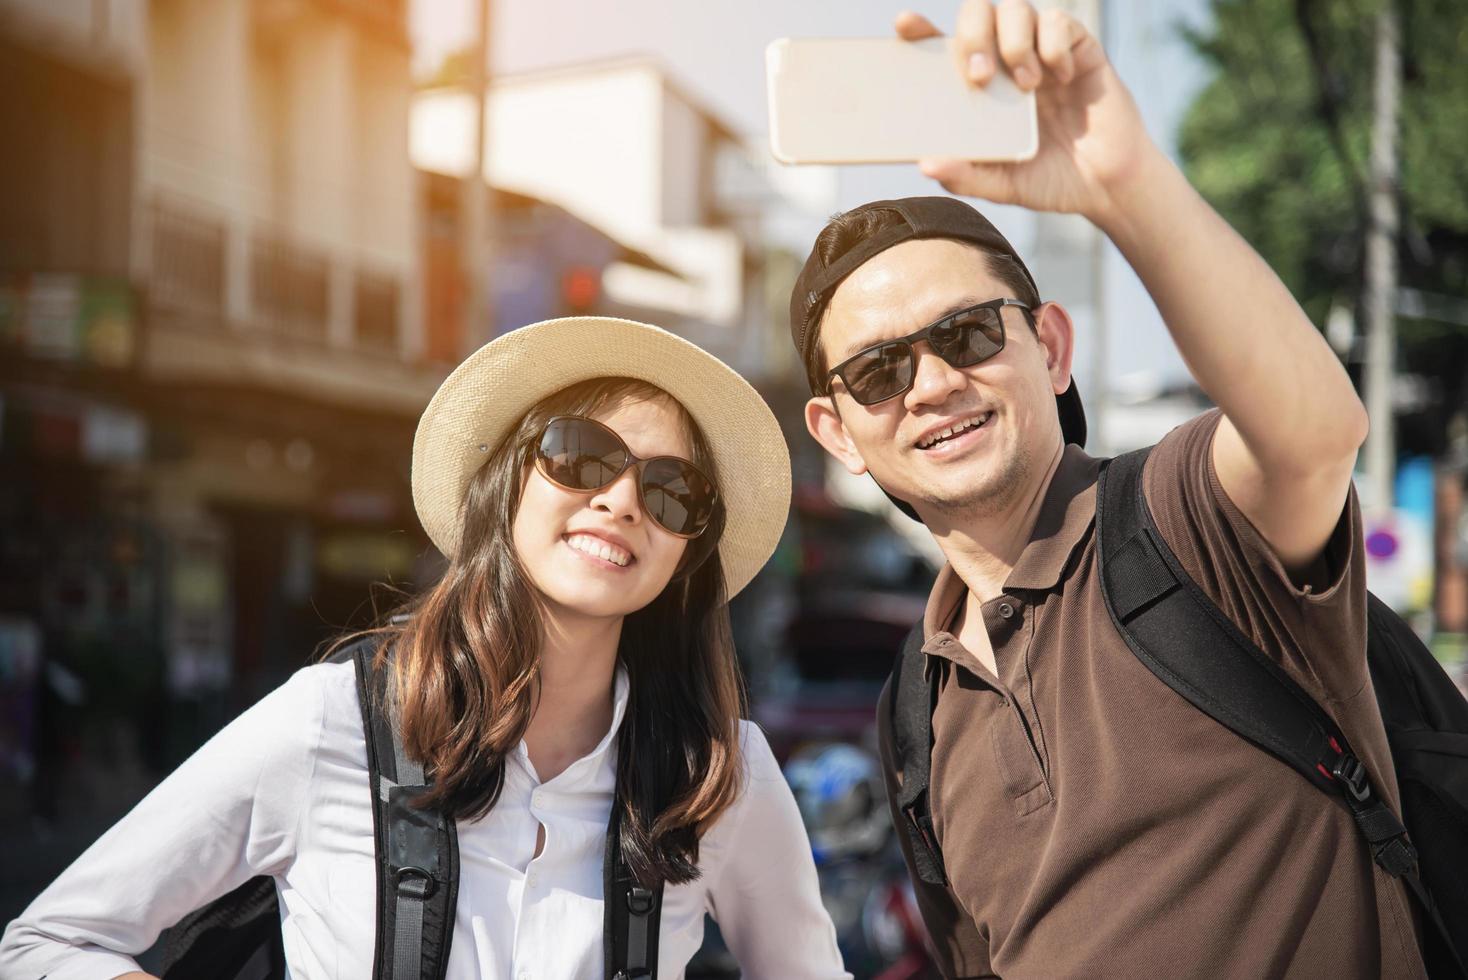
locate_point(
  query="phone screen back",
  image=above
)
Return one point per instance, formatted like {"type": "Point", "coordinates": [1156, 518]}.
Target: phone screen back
{"type": "Point", "coordinates": [882, 100]}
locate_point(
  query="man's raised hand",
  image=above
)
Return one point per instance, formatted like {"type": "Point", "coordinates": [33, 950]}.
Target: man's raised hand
{"type": "Point", "coordinates": [1092, 141]}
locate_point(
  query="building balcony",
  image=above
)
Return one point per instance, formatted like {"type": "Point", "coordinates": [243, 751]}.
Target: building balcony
{"type": "Point", "coordinates": [290, 287]}
{"type": "Point", "coordinates": [249, 306]}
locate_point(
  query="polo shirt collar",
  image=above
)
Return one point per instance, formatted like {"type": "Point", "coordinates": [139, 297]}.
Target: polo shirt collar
{"type": "Point", "coordinates": [1066, 514]}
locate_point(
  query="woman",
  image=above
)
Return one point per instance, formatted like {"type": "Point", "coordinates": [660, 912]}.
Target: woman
{"type": "Point", "coordinates": [598, 486]}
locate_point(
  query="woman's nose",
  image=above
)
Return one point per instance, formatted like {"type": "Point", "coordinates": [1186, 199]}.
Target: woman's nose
{"type": "Point", "coordinates": [619, 500]}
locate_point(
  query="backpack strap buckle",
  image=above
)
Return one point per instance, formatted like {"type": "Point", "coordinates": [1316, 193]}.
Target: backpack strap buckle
{"type": "Point", "coordinates": [1352, 774]}
{"type": "Point", "coordinates": [414, 882]}
{"type": "Point", "coordinates": [639, 900]}
{"type": "Point", "coordinates": [1397, 857]}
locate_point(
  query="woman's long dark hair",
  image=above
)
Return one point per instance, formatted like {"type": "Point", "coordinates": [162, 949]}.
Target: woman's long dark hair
{"type": "Point", "coordinates": [466, 665]}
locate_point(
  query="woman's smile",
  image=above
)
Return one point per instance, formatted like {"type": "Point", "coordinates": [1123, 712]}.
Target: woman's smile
{"type": "Point", "coordinates": [598, 550]}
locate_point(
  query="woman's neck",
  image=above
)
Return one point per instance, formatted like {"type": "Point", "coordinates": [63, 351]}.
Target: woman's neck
{"type": "Point", "coordinates": [578, 663]}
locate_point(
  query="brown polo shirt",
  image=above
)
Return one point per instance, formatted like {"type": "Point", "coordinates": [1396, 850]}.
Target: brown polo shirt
{"type": "Point", "coordinates": [1095, 824]}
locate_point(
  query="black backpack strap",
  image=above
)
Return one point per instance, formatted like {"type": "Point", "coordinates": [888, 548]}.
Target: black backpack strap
{"type": "Point", "coordinates": [1186, 640]}
{"type": "Point", "coordinates": [631, 913]}
{"type": "Point", "coordinates": [914, 694]}
{"type": "Point", "coordinates": [417, 849]}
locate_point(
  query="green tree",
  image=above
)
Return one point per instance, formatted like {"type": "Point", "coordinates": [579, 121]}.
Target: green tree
{"type": "Point", "coordinates": [1279, 142]}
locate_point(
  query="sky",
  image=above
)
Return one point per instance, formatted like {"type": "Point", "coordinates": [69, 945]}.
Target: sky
{"type": "Point", "coordinates": [715, 52]}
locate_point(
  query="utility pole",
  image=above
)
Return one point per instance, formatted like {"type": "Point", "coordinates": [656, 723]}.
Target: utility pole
{"type": "Point", "coordinates": [1072, 252]}
{"type": "Point", "coordinates": [1379, 300]}
{"type": "Point", "coordinates": [477, 226]}
{"type": "Point", "coordinates": [1096, 399]}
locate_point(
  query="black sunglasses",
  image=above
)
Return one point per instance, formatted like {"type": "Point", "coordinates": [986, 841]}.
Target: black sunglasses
{"type": "Point", "coordinates": [582, 455]}
{"type": "Point", "coordinates": [962, 339]}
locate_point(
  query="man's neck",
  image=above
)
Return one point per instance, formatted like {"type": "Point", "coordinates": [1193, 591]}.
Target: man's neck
{"type": "Point", "coordinates": [578, 662]}
{"type": "Point", "coordinates": [984, 548]}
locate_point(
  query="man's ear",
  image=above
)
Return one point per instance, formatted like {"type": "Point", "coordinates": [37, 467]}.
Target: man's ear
{"type": "Point", "coordinates": [826, 426]}
{"type": "Point", "coordinates": [1056, 334]}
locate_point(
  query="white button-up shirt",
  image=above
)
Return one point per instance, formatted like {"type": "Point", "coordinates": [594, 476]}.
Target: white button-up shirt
{"type": "Point", "coordinates": [283, 791]}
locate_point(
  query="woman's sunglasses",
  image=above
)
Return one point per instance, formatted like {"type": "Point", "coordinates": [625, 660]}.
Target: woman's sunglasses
{"type": "Point", "coordinates": [582, 455]}
{"type": "Point", "coordinates": [962, 339]}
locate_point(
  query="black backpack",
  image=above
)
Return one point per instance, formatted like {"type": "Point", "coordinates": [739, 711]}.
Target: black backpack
{"type": "Point", "coordinates": [237, 936]}
{"type": "Point", "coordinates": [1187, 642]}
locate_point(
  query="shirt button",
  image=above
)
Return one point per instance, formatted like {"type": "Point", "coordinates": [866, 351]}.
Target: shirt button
{"type": "Point", "coordinates": [1006, 610]}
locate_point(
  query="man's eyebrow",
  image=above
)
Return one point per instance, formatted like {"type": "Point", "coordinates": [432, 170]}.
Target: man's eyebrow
{"type": "Point", "coordinates": [860, 345]}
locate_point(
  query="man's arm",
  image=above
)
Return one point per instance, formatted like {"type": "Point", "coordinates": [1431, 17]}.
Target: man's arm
{"type": "Point", "coordinates": [1292, 422]}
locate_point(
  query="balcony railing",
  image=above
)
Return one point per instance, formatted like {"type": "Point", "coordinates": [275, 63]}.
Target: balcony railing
{"type": "Point", "coordinates": [188, 261]}
{"type": "Point", "coordinates": [207, 273]}
{"type": "Point", "coordinates": [376, 306]}
{"type": "Point", "coordinates": [290, 287]}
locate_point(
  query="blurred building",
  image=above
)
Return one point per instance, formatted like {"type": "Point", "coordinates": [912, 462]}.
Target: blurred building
{"type": "Point", "coordinates": [547, 263]}
{"type": "Point", "coordinates": [625, 149]}
{"type": "Point", "coordinates": [212, 357]}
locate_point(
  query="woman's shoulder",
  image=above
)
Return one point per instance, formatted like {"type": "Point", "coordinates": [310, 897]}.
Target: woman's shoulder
{"type": "Point", "coordinates": [316, 691]}
{"type": "Point", "coordinates": [763, 782]}
{"type": "Point", "coordinates": [333, 682]}
{"type": "Point", "coordinates": [754, 747]}
{"type": "Point", "coordinates": [332, 688]}
{"type": "Point", "coordinates": [764, 808]}
{"type": "Point", "coordinates": [314, 712]}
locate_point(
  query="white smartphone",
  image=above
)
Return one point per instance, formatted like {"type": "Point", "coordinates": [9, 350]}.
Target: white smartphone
{"type": "Point", "coordinates": [884, 100]}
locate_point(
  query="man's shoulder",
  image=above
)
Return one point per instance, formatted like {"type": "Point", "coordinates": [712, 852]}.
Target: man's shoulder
{"type": "Point", "coordinates": [1187, 444]}
{"type": "Point", "coordinates": [1180, 485]}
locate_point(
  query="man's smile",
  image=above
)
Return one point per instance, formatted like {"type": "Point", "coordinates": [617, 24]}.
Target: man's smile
{"type": "Point", "coordinates": [952, 434]}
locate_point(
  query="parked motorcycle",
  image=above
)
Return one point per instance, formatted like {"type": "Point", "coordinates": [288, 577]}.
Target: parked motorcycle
{"type": "Point", "coordinates": [864, 882]}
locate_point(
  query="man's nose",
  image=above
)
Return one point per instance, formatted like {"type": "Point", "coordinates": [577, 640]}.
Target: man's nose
{"type": "Point", "coordinates": [934, 379]}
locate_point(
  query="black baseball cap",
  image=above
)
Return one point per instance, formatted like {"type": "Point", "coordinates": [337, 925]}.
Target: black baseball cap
{"type": "Point", "coordinates": [922, 217]}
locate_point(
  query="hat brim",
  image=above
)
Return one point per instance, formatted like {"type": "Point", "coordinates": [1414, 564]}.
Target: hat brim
{"type": "Point", "coordinates": [488, 393]}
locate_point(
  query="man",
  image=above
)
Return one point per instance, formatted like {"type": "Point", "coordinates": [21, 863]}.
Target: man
{"type": "Point", "coordinates": [1091, 822]}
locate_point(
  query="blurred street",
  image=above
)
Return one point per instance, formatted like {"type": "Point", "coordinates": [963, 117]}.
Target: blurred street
{"type": "Point", "coordinates": [242, 241]}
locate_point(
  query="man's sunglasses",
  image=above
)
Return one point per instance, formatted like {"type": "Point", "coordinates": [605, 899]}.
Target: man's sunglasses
{"type": "Point", "coordinates": [962, 339]}
{"type": "Point", "coordinates": [582, 455]}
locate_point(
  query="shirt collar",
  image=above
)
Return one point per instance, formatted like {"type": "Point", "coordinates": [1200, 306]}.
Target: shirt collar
{"type": "Point", "coordinates": [621, 688]}
{"type": "Point", "coordinates": [589, 763]}
{"type": "Point", "coordinates": [1066, 514]}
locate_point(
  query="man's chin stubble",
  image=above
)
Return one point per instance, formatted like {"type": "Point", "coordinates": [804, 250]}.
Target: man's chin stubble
{"type": "Point", "coordinates": [993, 495]}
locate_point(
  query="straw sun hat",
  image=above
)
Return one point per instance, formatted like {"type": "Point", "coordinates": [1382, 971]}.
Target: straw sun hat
{"type": "Point", "coordinates": [487, 394]}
